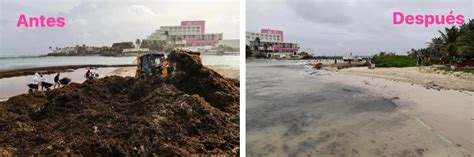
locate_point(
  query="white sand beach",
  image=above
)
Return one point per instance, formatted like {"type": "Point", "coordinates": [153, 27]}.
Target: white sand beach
{"type": "Point", "coordinates": [426, 76]}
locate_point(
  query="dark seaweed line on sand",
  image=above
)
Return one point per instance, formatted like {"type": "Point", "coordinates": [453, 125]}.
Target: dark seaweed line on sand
{"type": "Point", "coordinates": [53, 69]}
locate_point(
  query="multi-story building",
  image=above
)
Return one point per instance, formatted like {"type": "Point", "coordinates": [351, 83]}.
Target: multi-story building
{"type": "Point", "coordinates": [264, 37]}
{"type": "Point", "coordinates": [270, 43]}
{"type": "Point", "coordinates": [189, 33]}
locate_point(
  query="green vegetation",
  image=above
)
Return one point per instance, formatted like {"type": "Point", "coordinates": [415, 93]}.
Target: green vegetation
{"type": "Point", "coordinates": [308, 56]}
{"type": "Point", "coordinates": [453, 44]}
{"type": "Point", "coordinates": [465, 70]}
{"type": "Point", "coordinates": [393, 61]}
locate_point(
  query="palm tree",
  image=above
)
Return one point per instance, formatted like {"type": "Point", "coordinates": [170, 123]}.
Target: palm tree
{"type": "Point", "coordinates": [466, 45]}
{"type": "Point", "coordinates": [167, 34]}
{"type": "Point", "coordinates": [256, 45]}
{"type": "Point", "coordinates": [449, 41]}
{"type": "Point", "coordinates": [248, 52]}
{"type": "Point", "coordinates": [466, 39]}
{"type": "Point", "coordinates": [77, 49]}
{"type": "Point", "coordinates": [179, 39]}
{"type": "Point", "coordinates": [436, 47]}
{"type": "Point", "coordinates": [257, 41]}
{"type": "Point", "coordinates": [173, 38]}
{"type": "Point", "coordinates": [138, 43]}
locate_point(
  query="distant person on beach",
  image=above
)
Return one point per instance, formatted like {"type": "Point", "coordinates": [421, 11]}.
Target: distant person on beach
{"type": "Point", "coordinates": [36, 82]}
{"type": "Point", "coordinates": [88, 74]}
{"type": "Point", "coordinates": [36, 78]}
{"type": "Point", "coordinates": [43, 80]}
{"type": "Point", "coordinates": [56, 81]}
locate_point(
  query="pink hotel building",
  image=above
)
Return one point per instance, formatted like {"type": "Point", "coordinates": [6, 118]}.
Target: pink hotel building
{"type": "Point", "coordinates": [272, 40]}
{"type": "Point", "coordinates": [189, 33]}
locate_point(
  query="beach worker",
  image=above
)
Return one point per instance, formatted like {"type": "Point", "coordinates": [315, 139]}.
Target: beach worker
{"type": "Point", "coordinates": [164, 72]}
{"type": "Point", "coordinates": [36, 78]}
{"type": "Point", "coordinates": [36, 81]}
{"type": "Point", "coordinates": [56, 81]}
{"type": "Point", "coordinates": [43, 80]}
{"type": "Point", "coordinates": [335, 61]}
{"type": "Point", "coordinates": [88, 74]}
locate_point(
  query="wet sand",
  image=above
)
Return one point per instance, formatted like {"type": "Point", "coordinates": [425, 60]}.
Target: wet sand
{"type": "Point", "coordinates": [449, 113]}
{"type": "Point", "coordinates": [294, 111]}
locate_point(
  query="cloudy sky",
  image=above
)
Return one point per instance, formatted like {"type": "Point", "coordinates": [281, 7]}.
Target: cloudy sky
{"type": "Point", "coordinates": [102, 22]}
{"type": "Point", "coordinates": [360, 26]}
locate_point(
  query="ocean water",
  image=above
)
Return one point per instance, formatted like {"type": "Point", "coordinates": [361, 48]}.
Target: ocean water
{"type": "Point", "coordinates": [9, 63]}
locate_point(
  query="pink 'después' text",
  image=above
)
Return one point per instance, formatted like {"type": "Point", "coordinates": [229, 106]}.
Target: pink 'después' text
{"type": "Point", "coordinates": [427, 20]}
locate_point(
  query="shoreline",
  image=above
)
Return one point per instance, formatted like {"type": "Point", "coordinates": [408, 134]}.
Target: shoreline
{"type": "Point", "coordinates": [54, 69]}
{"type": "Point", "coordinates": [425, 76]}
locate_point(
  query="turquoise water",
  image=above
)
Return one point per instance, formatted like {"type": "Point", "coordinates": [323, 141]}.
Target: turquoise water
{"type": "Point", "coordinates": [8, 63]}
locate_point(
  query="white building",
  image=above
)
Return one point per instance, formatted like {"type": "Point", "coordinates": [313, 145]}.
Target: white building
{"type": "Point", "coordinates": [264, 37]}
{"type": "Point", "coordinates": [189, 33]}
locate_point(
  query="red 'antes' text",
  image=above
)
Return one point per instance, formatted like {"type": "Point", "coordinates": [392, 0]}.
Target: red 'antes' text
{"type": "Point", "coordinates": [41, 21]}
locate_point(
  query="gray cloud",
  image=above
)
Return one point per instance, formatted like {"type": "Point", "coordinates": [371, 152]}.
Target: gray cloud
{"type": "Point", "coordinates": [312, 10]}
{"type": "Point", "coordinates": [103, 22]}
